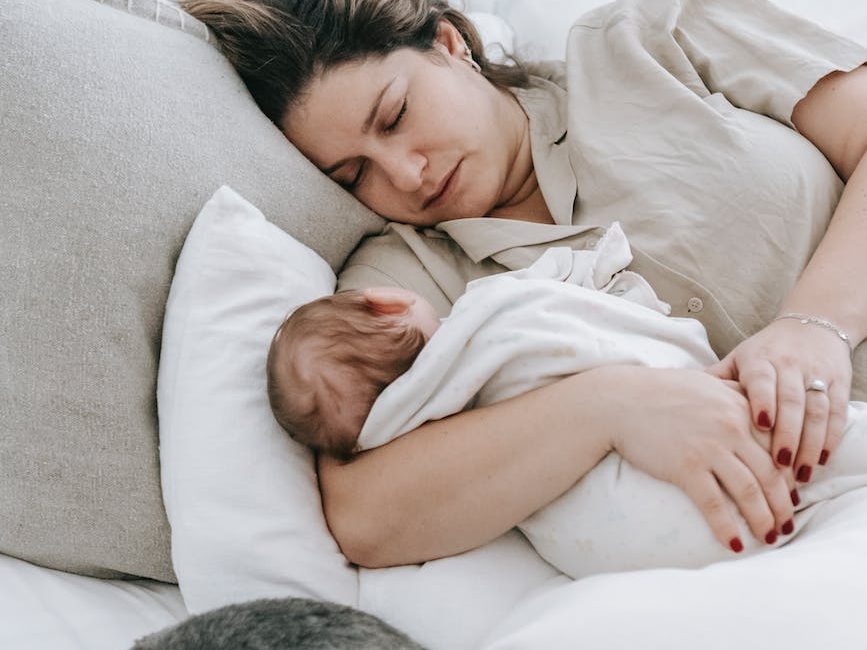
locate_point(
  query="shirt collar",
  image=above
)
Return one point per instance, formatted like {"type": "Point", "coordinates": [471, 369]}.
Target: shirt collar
{"type": "Point", "coordinates": [546, 104]}
{"type": "Point", "coordinates": [482, 237]}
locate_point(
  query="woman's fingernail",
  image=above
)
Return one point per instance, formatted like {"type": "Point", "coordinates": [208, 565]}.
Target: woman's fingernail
{"type": "Point", "coordinates": [804, 473]}
{"type": "Point", "coordinates": [764, 421]}
{"type": "Point", "coordinates": [736, 544]}
{"type": "Point", "coordinates": [823, 458]}
{"type": "Point", "coordinates": [796, 498]}
{"type": "Point", "coordinates": [771, 537]}
{"type": "Point", "coordinates": [788, 527]}
{"type": "Point", "coordinates": [784, 457]}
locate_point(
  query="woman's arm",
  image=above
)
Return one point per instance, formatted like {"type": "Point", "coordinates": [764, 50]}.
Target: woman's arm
{"type": "Point", "coordinates": [454, 484]}
{"type": "Point", "coordinates": [777, 363]}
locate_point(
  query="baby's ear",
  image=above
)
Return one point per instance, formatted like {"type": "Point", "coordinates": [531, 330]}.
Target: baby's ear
{"type": "Point", "coordinates": [389, 301]}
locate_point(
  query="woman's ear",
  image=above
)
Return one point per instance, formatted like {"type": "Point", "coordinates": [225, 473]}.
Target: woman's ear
{"type": "Point", "coordinates": [449, 39]}
{"type": "Point", "coordinates": [389, 301]}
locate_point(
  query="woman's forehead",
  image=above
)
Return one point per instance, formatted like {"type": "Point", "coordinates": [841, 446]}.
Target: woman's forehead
{"type": "Point", "coordinates": [347, 92]}
{"type": "Point", "coordinates": [331, 116]}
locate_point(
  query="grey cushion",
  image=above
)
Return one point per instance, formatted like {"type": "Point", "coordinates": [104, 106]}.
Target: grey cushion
{"type": "Point", "coordinates": [117, 121]}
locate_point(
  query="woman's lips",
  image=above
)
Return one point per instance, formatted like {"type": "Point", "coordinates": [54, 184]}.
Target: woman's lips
{"type": "Point", "coordinates": [447, 189]}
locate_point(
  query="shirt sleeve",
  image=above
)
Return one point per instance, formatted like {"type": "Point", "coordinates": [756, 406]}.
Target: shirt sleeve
{"type": "Point", "coordinates": [759, 56]}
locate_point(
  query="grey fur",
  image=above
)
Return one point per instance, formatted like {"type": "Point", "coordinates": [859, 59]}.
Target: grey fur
{"type": "Point", "coordinates": [280, 624]}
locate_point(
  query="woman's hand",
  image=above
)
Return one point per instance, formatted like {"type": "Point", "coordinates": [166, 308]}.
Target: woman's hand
{"type": "Point", "coordinates": [775, 367]}
{"type": "Point", "coordinates": [690, 429]}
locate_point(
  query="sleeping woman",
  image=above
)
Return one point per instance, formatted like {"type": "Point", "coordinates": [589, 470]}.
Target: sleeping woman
{"type": "Point", "coordinates": [728, 138]}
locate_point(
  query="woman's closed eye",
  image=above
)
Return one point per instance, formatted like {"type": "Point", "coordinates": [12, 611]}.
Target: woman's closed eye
{"type": "Point", "coordinates": [390, 128]}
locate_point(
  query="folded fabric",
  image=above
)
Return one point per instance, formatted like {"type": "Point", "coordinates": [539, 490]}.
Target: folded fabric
{"type": "Point", "coordinates": [569, 312]}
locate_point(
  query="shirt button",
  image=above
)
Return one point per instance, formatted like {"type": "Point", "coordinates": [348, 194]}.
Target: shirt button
{"type": "Point", "coordinates": [694, 305]}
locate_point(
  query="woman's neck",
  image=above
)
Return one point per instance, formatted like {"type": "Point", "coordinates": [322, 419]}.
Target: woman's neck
{"type": "Point", "coordinates": [525, 201]}
{"type": "Point", "coordinates": [530, 208]}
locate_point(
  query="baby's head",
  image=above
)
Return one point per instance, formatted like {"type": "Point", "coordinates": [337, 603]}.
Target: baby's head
{"type": "Point", "coordinates": [331, 359]}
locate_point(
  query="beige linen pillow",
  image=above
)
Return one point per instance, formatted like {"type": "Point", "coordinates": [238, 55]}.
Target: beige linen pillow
{"type": "Point", "coordinates": [117, 121]}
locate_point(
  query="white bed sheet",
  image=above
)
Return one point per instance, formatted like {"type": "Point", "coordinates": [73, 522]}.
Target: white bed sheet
{"type": "Point", "coordinates": [43, 608]}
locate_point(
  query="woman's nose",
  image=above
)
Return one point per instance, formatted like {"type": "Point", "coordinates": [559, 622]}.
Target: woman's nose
{"type": "Point", "coordinates": [404, 169]}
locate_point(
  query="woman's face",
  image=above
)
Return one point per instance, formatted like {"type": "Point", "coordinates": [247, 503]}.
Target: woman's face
{"type": "Point", "coordinates": [417, 138]}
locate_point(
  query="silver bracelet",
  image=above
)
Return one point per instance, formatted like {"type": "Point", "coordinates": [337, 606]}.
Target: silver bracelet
{"type": "Point", "coordinates": [806, 319]}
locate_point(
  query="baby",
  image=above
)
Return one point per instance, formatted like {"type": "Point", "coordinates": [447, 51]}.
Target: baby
{"type": "Point", "coordinates": [330, 360]}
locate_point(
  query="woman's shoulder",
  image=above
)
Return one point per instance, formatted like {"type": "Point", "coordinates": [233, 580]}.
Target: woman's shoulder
{"type": "Point", "coordinates": [387, 259]}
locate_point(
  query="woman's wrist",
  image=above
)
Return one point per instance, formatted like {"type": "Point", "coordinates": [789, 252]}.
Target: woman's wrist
{"type": "Point", "coordinates": [620, 388]}
{"type": "Point", "coordinates": [811, 320]}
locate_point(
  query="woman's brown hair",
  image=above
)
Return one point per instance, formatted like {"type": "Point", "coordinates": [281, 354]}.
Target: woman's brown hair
{"type": "Point", "coordinates": [279, 46]}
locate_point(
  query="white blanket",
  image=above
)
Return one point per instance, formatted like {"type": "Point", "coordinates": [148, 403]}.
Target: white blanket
{"type": "Point", "coordinates": [570, 312]}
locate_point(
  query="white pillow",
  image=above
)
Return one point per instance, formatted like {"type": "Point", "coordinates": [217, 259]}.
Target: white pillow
{"type": "Point", "coordinates": [241, 496]}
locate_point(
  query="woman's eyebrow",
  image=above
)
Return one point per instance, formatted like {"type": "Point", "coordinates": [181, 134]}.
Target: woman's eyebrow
{"type": "Point", "coordinates": [365, 127]}
{"type": "Point", "coordinates": [373, 111]}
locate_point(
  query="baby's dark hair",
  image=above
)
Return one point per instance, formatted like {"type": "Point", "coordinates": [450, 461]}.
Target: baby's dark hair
{"type": "Point", "coordinates": [344, 334]}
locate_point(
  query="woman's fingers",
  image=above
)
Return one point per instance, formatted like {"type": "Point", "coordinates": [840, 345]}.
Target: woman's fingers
{"type": "Point", "coordinates": [704, 491]}
{"type": "Point", "coordinates": [750, 496]}
{"type": "Point", "coordinates": [775, 366]}
{"type": "Point", "coordinates": [760, 382]}
{"type": "Point", "coordinates": [776, 486]}
{"type": "Point", "coordinates": [816, 411]}
{"type": "Point", "coordinates": [838, 396]}
{"type": "Point", "coordinates": [790, 415]}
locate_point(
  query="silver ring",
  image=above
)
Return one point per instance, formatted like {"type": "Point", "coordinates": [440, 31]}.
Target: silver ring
{"type": "Point", "coordinates": [818, 385]}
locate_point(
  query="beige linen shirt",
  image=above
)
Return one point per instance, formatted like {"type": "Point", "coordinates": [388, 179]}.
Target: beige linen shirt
{"type": "Point", "coordinates": [673, 118]}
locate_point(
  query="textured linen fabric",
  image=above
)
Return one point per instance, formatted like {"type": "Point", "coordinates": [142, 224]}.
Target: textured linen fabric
{"type": "Point", "coordinates": [676, 122]}
{"type": "Point", "coordinates": [115, 127]}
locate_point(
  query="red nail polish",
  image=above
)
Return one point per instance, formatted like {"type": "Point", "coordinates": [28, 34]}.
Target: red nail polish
{"type": "Point", "coordinates": [771, 537]}
{"type": "Point", "coordinates": [784, 457]}
{"type": "Point", "coordinates": [736, 544]}
{"type": "Point", "coordinates": [764, 421]}
{"type": "Point", "coordinates": [804, 473]}
{"type": "Point", "coordinates": [796, 498]}
{"type": "Point", "coordinates": [823, 458]}
{"type": "Point", "coordinates": [788, 527]}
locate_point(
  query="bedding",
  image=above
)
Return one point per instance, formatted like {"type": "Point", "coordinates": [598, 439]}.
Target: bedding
{"type": "Point", "coordinates": [160, 114]}
{"type": "Point", "coordinates": [45, 609]}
